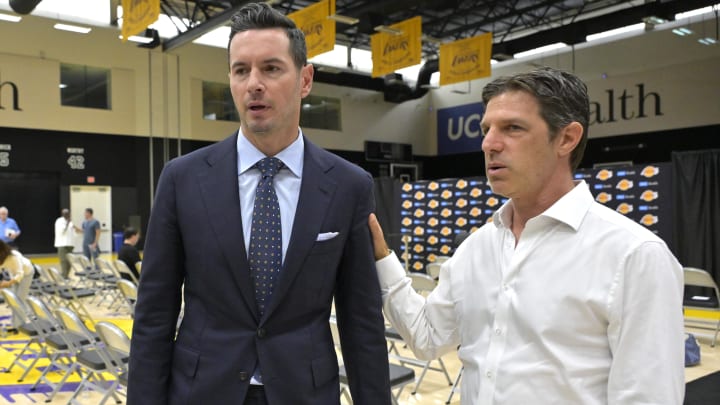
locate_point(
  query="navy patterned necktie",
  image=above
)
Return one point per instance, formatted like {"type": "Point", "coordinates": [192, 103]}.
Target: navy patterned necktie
{"type": "Point", "coordinates": [265, 253]}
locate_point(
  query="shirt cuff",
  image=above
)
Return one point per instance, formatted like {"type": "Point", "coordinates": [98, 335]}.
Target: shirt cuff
{"type": "Point", "coordinates": [390, 270]}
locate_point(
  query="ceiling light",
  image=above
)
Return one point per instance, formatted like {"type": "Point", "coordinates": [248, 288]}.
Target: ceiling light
{"type": "Point", "coordinates": [654, 20]}
{"type": "Point", "coordinates": [138, 39]}
{"type": "Point", "coordinates": [431, 39]}
{"type": "Point", "coordinates": [708, 41]}
{"type": "Point", "coordinates": [541, 49]}
{"type": "Point", "coordinates": [682, 31]}
{"type": "Point", "coordinates": [10, 17]}
{"type": "Point", "coordinates": [72, 28]}
{"type": "Point", "coordinates": [388, 30]}
{"type": "Point", "coordinates": [616, 31]}
{"type": "Point", "coordinates": [344, 19]}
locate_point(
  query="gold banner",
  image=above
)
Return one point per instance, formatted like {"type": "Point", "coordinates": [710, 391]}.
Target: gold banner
{"type": "Point", "coordinates": [138, 15]}
{"type": "Point", "coordinates": [465, 59]}
{"type": "Point", "coordinates": [391, 52]}
{"type": "Point", "coordinates": [319, 30]}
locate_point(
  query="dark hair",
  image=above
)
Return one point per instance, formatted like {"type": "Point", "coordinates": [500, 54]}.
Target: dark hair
{"type": "Point", "coordinates": [257, 16]}
{"type": "Point", "coordinates": [562, 97]}
{"type": "Point", "coordinates": [89, 210]}
{"type": "Point", "coordinates": [129, 232]}
{"type": "Point", "coordinates": [5, 251]}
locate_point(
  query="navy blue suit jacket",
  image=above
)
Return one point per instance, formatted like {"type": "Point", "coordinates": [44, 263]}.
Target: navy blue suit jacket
{"type": "Point", "coordinates": [195, 238]}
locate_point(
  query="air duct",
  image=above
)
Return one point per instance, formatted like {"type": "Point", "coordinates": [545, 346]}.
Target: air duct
{"type": "Point", "coordinates": [23, 6]}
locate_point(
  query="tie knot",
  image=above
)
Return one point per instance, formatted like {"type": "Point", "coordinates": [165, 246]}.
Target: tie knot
{"type": "Point", "coordinates": [269, 166]}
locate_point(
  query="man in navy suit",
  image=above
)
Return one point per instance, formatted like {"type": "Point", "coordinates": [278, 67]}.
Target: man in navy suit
{"type": "Point", "coordinates": [226, 349]}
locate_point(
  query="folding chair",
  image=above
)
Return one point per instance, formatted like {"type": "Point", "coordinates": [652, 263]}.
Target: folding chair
{"type": "Point", "coordinates": [123, 269]}
{"type": "Point", "coordinates": [423, 284]}
{"type": "Point", "coordinates": [94, 360]}
{"type": "Point", "coordinates": [34, 349]}
{"type": "Point", "coordinates": [71, 296]}
{"type": "Point", "coordinates": [129, 292]}
{"type": "Point", "coordinates": [108, 282]}
{"type": "Point", "coordinates": [701, 293]}
{"type": "Point", "coordinates": [399, 375]}
{"type": "Point", "coordinates": [118, 343]}
{"type": "Point", "coordinates": [62, 346]}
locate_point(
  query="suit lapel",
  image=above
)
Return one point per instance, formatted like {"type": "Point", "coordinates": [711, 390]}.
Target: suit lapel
{"type": "Point", "coordinates": [316, 192]}
{"type": "Point", "coordinates": [219, 182]}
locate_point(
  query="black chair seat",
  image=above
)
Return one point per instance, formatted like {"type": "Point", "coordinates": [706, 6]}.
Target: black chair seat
{"type": "Point", "coordinates": [92, 359]}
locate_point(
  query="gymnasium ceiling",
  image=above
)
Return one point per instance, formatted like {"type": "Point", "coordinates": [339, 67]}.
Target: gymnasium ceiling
{"type": "Point", "coordinates": [517, 25]}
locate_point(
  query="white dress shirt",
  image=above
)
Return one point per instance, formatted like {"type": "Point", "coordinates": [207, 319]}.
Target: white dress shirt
{"type": "Point", "coordinates": [585, 309]}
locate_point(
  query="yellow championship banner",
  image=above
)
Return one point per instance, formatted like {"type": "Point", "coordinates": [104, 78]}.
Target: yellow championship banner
{"type": "Point", "coordinates": [138, 15]}
{"type": "Point", "coordinates": [391, 52]}
{"type": "Point", "coordinates": [319, 30]}
{"type": "Point", "coordinates": [465, 59]}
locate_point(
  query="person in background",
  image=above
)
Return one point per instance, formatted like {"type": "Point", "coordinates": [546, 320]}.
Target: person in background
{"type": "Point", "coordinates": [128, 253]}
{"type": "Point", "coordinates": [64, 239]}
{"type": "Point", "coordinates": [91, 235]}
{"type": "Point", "coordinates": [559, 299]}
{"type": "Point", "coordinates": [9, 229]}
{"type": "Point", "coordinates": [20, 271]}
{"type": "Point", "coordinates": [265, 231]}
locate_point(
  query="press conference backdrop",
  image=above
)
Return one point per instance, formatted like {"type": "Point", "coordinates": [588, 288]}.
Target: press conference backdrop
{"type": "Point", "coordinates": [433, 212]}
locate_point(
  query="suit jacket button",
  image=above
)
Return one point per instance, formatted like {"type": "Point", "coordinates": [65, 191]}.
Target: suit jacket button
{"type": "Point", "coordinates": [261, 333]}
{"type": "Point", "coordinates": [243, 375]}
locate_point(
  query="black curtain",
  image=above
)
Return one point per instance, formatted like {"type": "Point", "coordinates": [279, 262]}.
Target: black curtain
{"type": "Point", "coordinates": [696, 209]}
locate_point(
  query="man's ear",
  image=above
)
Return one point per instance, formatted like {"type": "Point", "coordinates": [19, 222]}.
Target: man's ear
{"type": "Point", "coordinates": [568, 138]}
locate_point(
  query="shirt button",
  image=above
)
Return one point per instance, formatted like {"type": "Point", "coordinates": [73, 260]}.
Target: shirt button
{"type": "Point", "coordinates": [489, 374]}
{"type": "Point", "coordinates": [498, 331]}
{"type": "Point", "coordinates": [261, 333]}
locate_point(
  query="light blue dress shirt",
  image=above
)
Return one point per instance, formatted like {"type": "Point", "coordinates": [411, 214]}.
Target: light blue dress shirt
{"type": "Point", "coordinates": [287, 184]}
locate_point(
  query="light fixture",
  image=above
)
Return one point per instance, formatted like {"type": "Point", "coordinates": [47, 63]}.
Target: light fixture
{"type": "Point", "coordinates": [72, 28]}
{"type": "Point", "coordinates": [708, 41]}
{"type": "Point", "coordinates": [431, 39]}
{"type": "Point", "coordinates": [654, 20]}
{"type": "Point", "coordinates": [344, 19]}
{"type": "Point", "coordinates": [150, 39]}
{"type": "Point", "coordinates": [682, 31]}
{"type": "Point", "coordinates": [538, 50]}
{"type": "Point", "coordinates": [10, 17]}
{"type": "Point", "coordinates": [616, 31]}
{"type": "Point", "coordinates": [388, 30]}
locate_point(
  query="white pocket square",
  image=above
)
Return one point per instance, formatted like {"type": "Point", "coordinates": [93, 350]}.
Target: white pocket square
{"type": "Point", "coordinates": [326, 236]}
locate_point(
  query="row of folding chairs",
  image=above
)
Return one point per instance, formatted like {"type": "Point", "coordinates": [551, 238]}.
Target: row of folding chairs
{"type": "Point", "coordinates": [111, 280]}
{"type": "Point", "coordinates": [60, 335]}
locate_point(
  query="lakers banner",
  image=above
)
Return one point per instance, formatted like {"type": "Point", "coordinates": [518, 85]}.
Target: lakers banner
{"type": "Point", "coordinates": [465, 59]}
{"type": "Point", "coordinates": [391, 52]}
{"type": "Point", "coordinates": [319, 30]}
{"type": "Point", "coordinates": [138, 15]}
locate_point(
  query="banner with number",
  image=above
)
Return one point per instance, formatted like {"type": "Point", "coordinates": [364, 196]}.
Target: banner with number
{"type": "Point", "coordinates": [319, 30]}
{"type": "Point", "coordinates": [391, 52]}
{"type": "Point", "coordinates": [138, 15]}
{"type": "Point", "coordinates": [465, 59]}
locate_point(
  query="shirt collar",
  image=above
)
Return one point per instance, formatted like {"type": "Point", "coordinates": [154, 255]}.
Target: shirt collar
{"type": "Point", "coordinates": [569, 209]}
{"type": "Point", "coordinates": [292, 156]}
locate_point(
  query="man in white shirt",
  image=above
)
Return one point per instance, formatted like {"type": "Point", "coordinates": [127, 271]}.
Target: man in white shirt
{"type": "Point", "coordinates": [559, 299]}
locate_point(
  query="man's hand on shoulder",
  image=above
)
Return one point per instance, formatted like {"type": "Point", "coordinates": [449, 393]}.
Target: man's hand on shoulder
{"type": "Point", "coordinates": [380, 247]}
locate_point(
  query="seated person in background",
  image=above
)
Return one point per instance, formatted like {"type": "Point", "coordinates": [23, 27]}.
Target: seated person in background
{"type": "Point", "coordinates": [129, 253]}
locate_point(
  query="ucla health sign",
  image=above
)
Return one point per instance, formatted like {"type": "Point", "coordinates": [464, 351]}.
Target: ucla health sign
{"type": "Point", "coordinates": [458, 129]}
